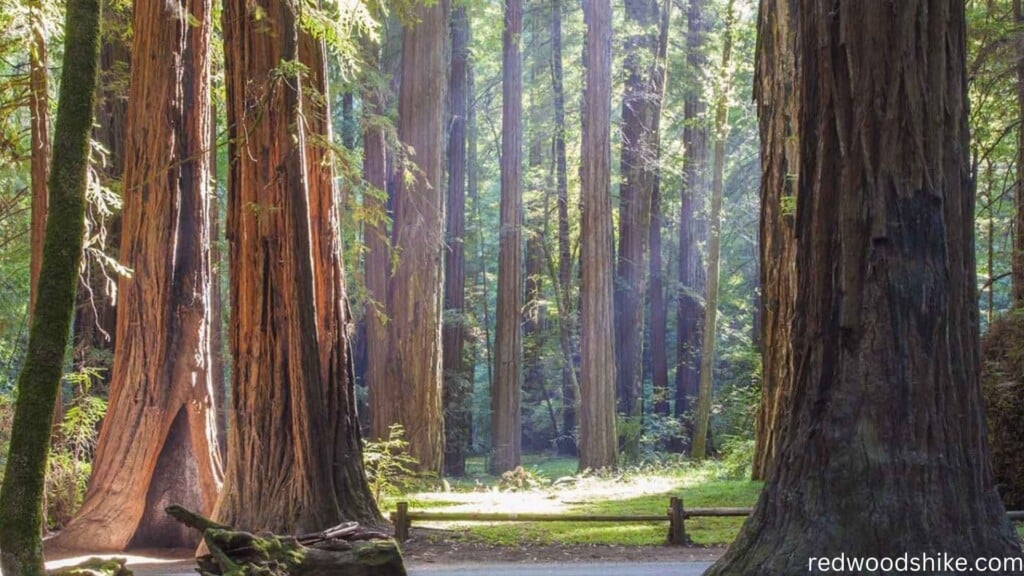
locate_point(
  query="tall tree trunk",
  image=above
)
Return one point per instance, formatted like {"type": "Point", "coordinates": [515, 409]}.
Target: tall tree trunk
{"type": "Point", "coordinates": [95, 325]}
{"type": "Point", "coordinates": [1017, 299]}
{"type": "Point", "coordinates": [598, 446]}
{"type": "Point", "coordinates": [887, 408]}
{"type": "Point", "coordinates": [377, 264]}
{"type": "Point", "coordinates": [707, 354]}
{"type": "Point", "coordinates": [656, 289]}
{"type": "Point", "coordinates": [217, 372]}
{"type": "Point", "coordinates": [506, 420]}
{"type": "Point", "coordinates": [640, 110]}
{"type": "Point", "coordinates": [21, 496]}
{"type": "Point", "coordinates": [158, 442]}
{"type": "Point", "coordinates": [294, 455]}
{"type": "Point", "coordinates": [39, 119]}
{"type": "Point", "coordinates": [566, 316]}
{"type": "Point", "coordinates": [778, 116]}
{"type": "Point", "coordinates": [692, 226]}
{"type": "Point", "coordinates": [413, 384]}
{"type": "Point", "coordinates": [458, 386]}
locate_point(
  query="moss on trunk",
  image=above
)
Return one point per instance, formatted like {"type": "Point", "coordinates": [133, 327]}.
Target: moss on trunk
{"type": "Point", "coordinates": [21, 496]}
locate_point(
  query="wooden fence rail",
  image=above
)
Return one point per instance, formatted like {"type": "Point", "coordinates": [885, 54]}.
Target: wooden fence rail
{"type": "Point", "coordinates": [676, 516]}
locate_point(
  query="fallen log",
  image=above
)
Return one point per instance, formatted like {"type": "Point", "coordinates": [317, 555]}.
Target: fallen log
{"type": "Point", "coordinates": [95, 567]}
{"type": "Point", "coordinates": [343, 550]}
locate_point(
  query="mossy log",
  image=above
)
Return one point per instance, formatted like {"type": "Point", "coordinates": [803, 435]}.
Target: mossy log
{"type": "Point", "coordinates": [96, 567]}
{"type": "Point", "coordinates": [1002, 382]}
{"type": "Point", "coordinates": [344, 550]}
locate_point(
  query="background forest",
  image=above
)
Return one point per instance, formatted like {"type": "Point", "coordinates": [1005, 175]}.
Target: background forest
{"type": "Point", "coordinates": [686, 212]}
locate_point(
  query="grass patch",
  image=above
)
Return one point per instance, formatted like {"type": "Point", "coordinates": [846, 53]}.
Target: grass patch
{"type": "Point", "coordinates": [631, 492]}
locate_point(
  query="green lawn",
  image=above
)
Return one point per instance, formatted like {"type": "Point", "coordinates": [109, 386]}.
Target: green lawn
{"type": "Point", "coordinates": [626, 493]}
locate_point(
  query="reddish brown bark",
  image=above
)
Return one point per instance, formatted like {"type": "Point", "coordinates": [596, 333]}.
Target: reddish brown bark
{"type": "Point", "coordinates": [656, 288]}
{"type": "Point", "coordinates": [39, 121]}
{"type": "Point", "coordinates": [157, 445]}
{"type": "Point", "coordinates": [598, 447]}
{"type": "Point", "coordinates": [458, 384]}
{"type": "Point", "coordinates": [778, 117]}
{"type": "Point", "coordinates": [884, 452]}
{"type": "Point", "coordinates": [692, 226]}
{"type": "Point", "coordinates": [294, 455]}
{"type": "Point", "coordinates": [411, 392]}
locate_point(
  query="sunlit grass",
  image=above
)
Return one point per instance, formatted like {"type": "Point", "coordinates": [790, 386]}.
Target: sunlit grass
{"type": "Point", "coordinates": [624, 493]}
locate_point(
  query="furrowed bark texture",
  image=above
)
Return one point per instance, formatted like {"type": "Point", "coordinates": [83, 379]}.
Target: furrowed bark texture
{"type": "Point", "coordinates": [458, 386]}
{"type": "Point", "coordinates": [656, 288]}
{"type": "Point", "coordinates": [641, 104]}
{"type": "Point", "coordinates": [411, 393]}
{"type": "Point", "coordinates": [778, 115]}
{"type": "Point", "coordinates": [39, 124]}
{"type": "Point", "coordinates": [692, 223]}
{"type": "Point", "coordinates": [884, 452]}
{"type": "Point", "coordinates": [158, 442]}
{"type": "Point", "coordinates": [598, 445]}
{"type": "Point", "coordinates": [295, 462]}
{"type": "Point", "coordinates": [506, 422]}
{"type": "Point", "coordinates": [21, 548]}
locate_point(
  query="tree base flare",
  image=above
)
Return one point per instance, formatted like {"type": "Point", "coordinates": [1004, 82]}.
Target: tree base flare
{"type": "Point", "coordinates": [344, 550]}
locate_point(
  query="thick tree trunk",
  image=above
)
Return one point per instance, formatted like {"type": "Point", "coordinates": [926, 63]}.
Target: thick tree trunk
{"type": "Point", "coordinates": [707, 353]}
{"type": "Point", "coordinates": [411, 392]}
{"type": "Point", "coordinates": [775, 91]}
{"type": "Point", "coordinates": [598, 447]}
{"type": "Point", "coordinates": [692, 226]}
{"type": "Point", "coordinates": [295, 459]}
{"type": "Point", "coordinates": [656, 289]}
{"type": "Point", "coordinates": [566, 315]}
{"type": "Point", "coordinates": [640, 110]}
{"type": "Point", "coordinates": [158, 442]}
{"type": "Point", "coordinates": [39, 121]}
{"type": "Point", "coordinates": [21, 549]}
{"type": "Point", "coordinates": [458, 386]}
{"type": "Point", "coordinates": [884, 452]}
{"type": "Point", "coordinates": [506, 420]}
{"type": "Point", "coordinates": [376, 237]}
{"type": "Point", "coordinates": [95, 325]}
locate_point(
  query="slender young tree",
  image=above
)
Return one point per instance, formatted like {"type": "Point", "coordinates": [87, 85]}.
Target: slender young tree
{"type": "Point", "coordinates": [598, 446]}
{"type": "Point", "coordinates": [778, 117]}
{"type": "Point", "coordinates": [21, 547]}
{"type": "Point", "coordinates": [506, 420]}
{"type": "Point", "coordinates": [707, 355]}
{"type": "Point", "coordinates": [656, 287]}
{"type": "Point", "coordinates": [641, 108]}
{"type": "Point", "coordinates": [294, 451]}
{"type": "Point", "coordinates": [563, 277]}
{"type": "Point", "coordinates": [458, 385]}
{"type": "Point", "coordinates": [411, 392]}
{"type": "Point", "coordinates": [884, 451]}
{"type": "Point", "coordinates": [158, 442]}
{"type": "Point", "coordinates": [692, 225]}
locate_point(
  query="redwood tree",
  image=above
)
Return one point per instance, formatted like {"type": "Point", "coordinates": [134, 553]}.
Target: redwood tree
{"type": "Point", "coordinates": [294, 451]}
{"type": "Point", "coordinates": [692, 227]}
{"type": "Point", "coordinates": [884, 451]}
{"type": "Point", "coordinates": [39, 123]}
{"type": "Point", "coordinates": [598, 446]}
{"type": "Point", "coordinates": [158, 442]}
{"type": "Point", "coordinates": [410, 394]}
{"type": "Point", "coordinates": [506, 421]}
{"type": "Point", "coordinates": [641, 107]}
{"type": "Point", "coordinates": [21, 496]}
{"type": "Point", "coordinates": [458, 385]}
{"type": "Point", "coordinates": [778, 116]}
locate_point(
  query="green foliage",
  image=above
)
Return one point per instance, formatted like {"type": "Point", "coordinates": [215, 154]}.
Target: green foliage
{"type": "Point", "coordinates": [389, 467]}
{"type": "Point", "coordinates": [737, 457]}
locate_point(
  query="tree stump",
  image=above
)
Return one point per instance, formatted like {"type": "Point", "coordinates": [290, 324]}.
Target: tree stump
{"type": "Point", "coordinates": [343, 550]}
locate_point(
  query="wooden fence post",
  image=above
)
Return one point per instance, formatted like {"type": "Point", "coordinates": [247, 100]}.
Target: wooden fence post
{"type": "Point", "coordinates": [676, 524]}
{"type": "Point", "coordinates": [402, 523]}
